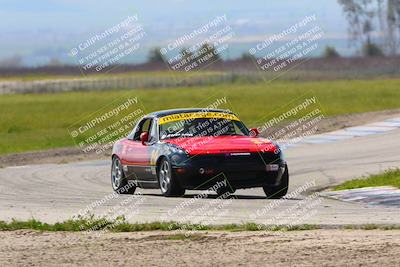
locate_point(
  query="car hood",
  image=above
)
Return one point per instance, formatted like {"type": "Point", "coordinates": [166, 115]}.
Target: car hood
{"type": "Point", "coordinates": [223, 144]}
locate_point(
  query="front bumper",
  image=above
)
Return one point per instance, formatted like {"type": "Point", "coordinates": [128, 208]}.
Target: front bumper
{"type": "Point", "coordinates": [243, 171]}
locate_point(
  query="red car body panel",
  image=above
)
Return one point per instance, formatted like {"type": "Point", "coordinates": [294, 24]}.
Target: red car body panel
{"type": "Point", "coordinates": [134, 153]}
{"type": "Point", "coordinates": [223, 144]}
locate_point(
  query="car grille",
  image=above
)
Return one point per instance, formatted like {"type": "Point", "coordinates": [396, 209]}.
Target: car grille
{"type": "Point", "coordinates": [254, 161]}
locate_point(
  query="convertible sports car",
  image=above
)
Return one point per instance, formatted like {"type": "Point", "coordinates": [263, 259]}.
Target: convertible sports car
{"type": "Point", "coordinates": [181, 149]}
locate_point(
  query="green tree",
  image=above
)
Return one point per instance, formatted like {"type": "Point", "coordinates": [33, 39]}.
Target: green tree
{"type": "Point", "coordinates": [186, 54]}
{"type": "Point", "coordinates": [364, 16]}
{"type": "Point", "coordinates": [371, 50]}
{"type": "Point", "coordinates": [155, 55]}
{"type": "Point", "coordinates": [247, 56]}
{"type": "Point", "coordinates": [206, 49]}
{"type": "Point", "coordinates": [330, 52]}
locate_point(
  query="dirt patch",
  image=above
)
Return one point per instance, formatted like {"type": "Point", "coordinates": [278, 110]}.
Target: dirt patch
{"type": "Point", "coordinates": [57, 155]}
{"type": "Point", "coordinates": [350, 120]}
{"type": "Point", "coordinates": [300, 248]}
{"type": "Point", "coordinates": [63, 155]}
{"type": "Point", "coordinates": [333, 123]}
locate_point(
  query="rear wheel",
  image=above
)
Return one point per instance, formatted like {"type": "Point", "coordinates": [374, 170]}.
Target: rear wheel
{"type": "Point", "coordinates": [168, 183]}
{"type": "Point", "coordinates": [118, 180]}
{"type": "Point", "coordinates": [279, 191]}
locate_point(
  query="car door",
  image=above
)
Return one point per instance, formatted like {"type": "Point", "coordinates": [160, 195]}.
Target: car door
{"type": "Point", "coordinates": [137, 156]}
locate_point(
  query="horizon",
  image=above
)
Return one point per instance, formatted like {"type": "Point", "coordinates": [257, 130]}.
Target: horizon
{"type": "Point", "coordinates": [43, 31]}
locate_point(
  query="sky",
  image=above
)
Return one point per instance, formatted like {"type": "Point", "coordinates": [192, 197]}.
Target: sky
{"type": "Point", "coordinates": [44, 29]}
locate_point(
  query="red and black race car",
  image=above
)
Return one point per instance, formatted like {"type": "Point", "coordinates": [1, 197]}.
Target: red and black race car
{"type": "Point", "coordinates": [181, 149]}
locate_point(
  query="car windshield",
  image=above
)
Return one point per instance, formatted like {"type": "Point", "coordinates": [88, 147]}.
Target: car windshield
{"type": "Point", "coordinates": [202, 127]}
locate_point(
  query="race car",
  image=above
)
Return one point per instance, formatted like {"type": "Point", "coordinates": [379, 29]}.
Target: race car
{"type": "Point", "coordinates": [197, 149]}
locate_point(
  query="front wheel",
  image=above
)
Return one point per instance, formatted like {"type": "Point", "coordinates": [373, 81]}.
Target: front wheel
{"type": "Point", "coordinates": [278, 191]}
{"type": "Point", "coordinates": [168, 184]}
{"type": "Point", "coordinates": [118, 180]}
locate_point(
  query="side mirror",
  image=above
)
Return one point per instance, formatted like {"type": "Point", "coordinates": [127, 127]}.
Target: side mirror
{"type": "Point", "coordinates": [144, 137]}
{"type": "Point", "coordinates": [254, 132]}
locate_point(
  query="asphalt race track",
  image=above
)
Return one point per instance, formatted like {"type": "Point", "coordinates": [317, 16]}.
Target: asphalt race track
{"type": "Point", "coordinates": [54, 192]}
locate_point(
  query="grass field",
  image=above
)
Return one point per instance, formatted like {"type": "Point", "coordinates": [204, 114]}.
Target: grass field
{"type": "Point", "coordinates": [185, 231]}
{"type": "Point", "coordinates": [121, 225]}
{"type": "Point", "coordinates": [388, 178]}
{"type": "Point", "coordinates": [40, 121]}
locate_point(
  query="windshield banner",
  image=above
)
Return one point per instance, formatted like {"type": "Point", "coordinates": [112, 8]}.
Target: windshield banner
{"type": "Point", "coordinates": [197, 115]}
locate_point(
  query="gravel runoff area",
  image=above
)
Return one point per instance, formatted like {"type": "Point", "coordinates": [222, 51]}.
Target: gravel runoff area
{"type": "Point", "coordinates": [295, 248]}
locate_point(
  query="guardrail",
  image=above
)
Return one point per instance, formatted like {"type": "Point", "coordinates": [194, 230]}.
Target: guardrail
{"type": "Point", "coordinates": [89, 84]}
{"type": "Point", "coordinates": [154, 80]}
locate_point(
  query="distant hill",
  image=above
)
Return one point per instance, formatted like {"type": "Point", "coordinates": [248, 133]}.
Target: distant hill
{"type": "Point", "coordinates": [42, 31]}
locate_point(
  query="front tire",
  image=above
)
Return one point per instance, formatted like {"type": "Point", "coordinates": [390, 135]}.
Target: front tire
{"type": "Point", "coordinates": [119, 182]}
{"type": "Point", "coordinates": [279, 191]}
{"type": "Point", "coordinates": [168, 183]}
